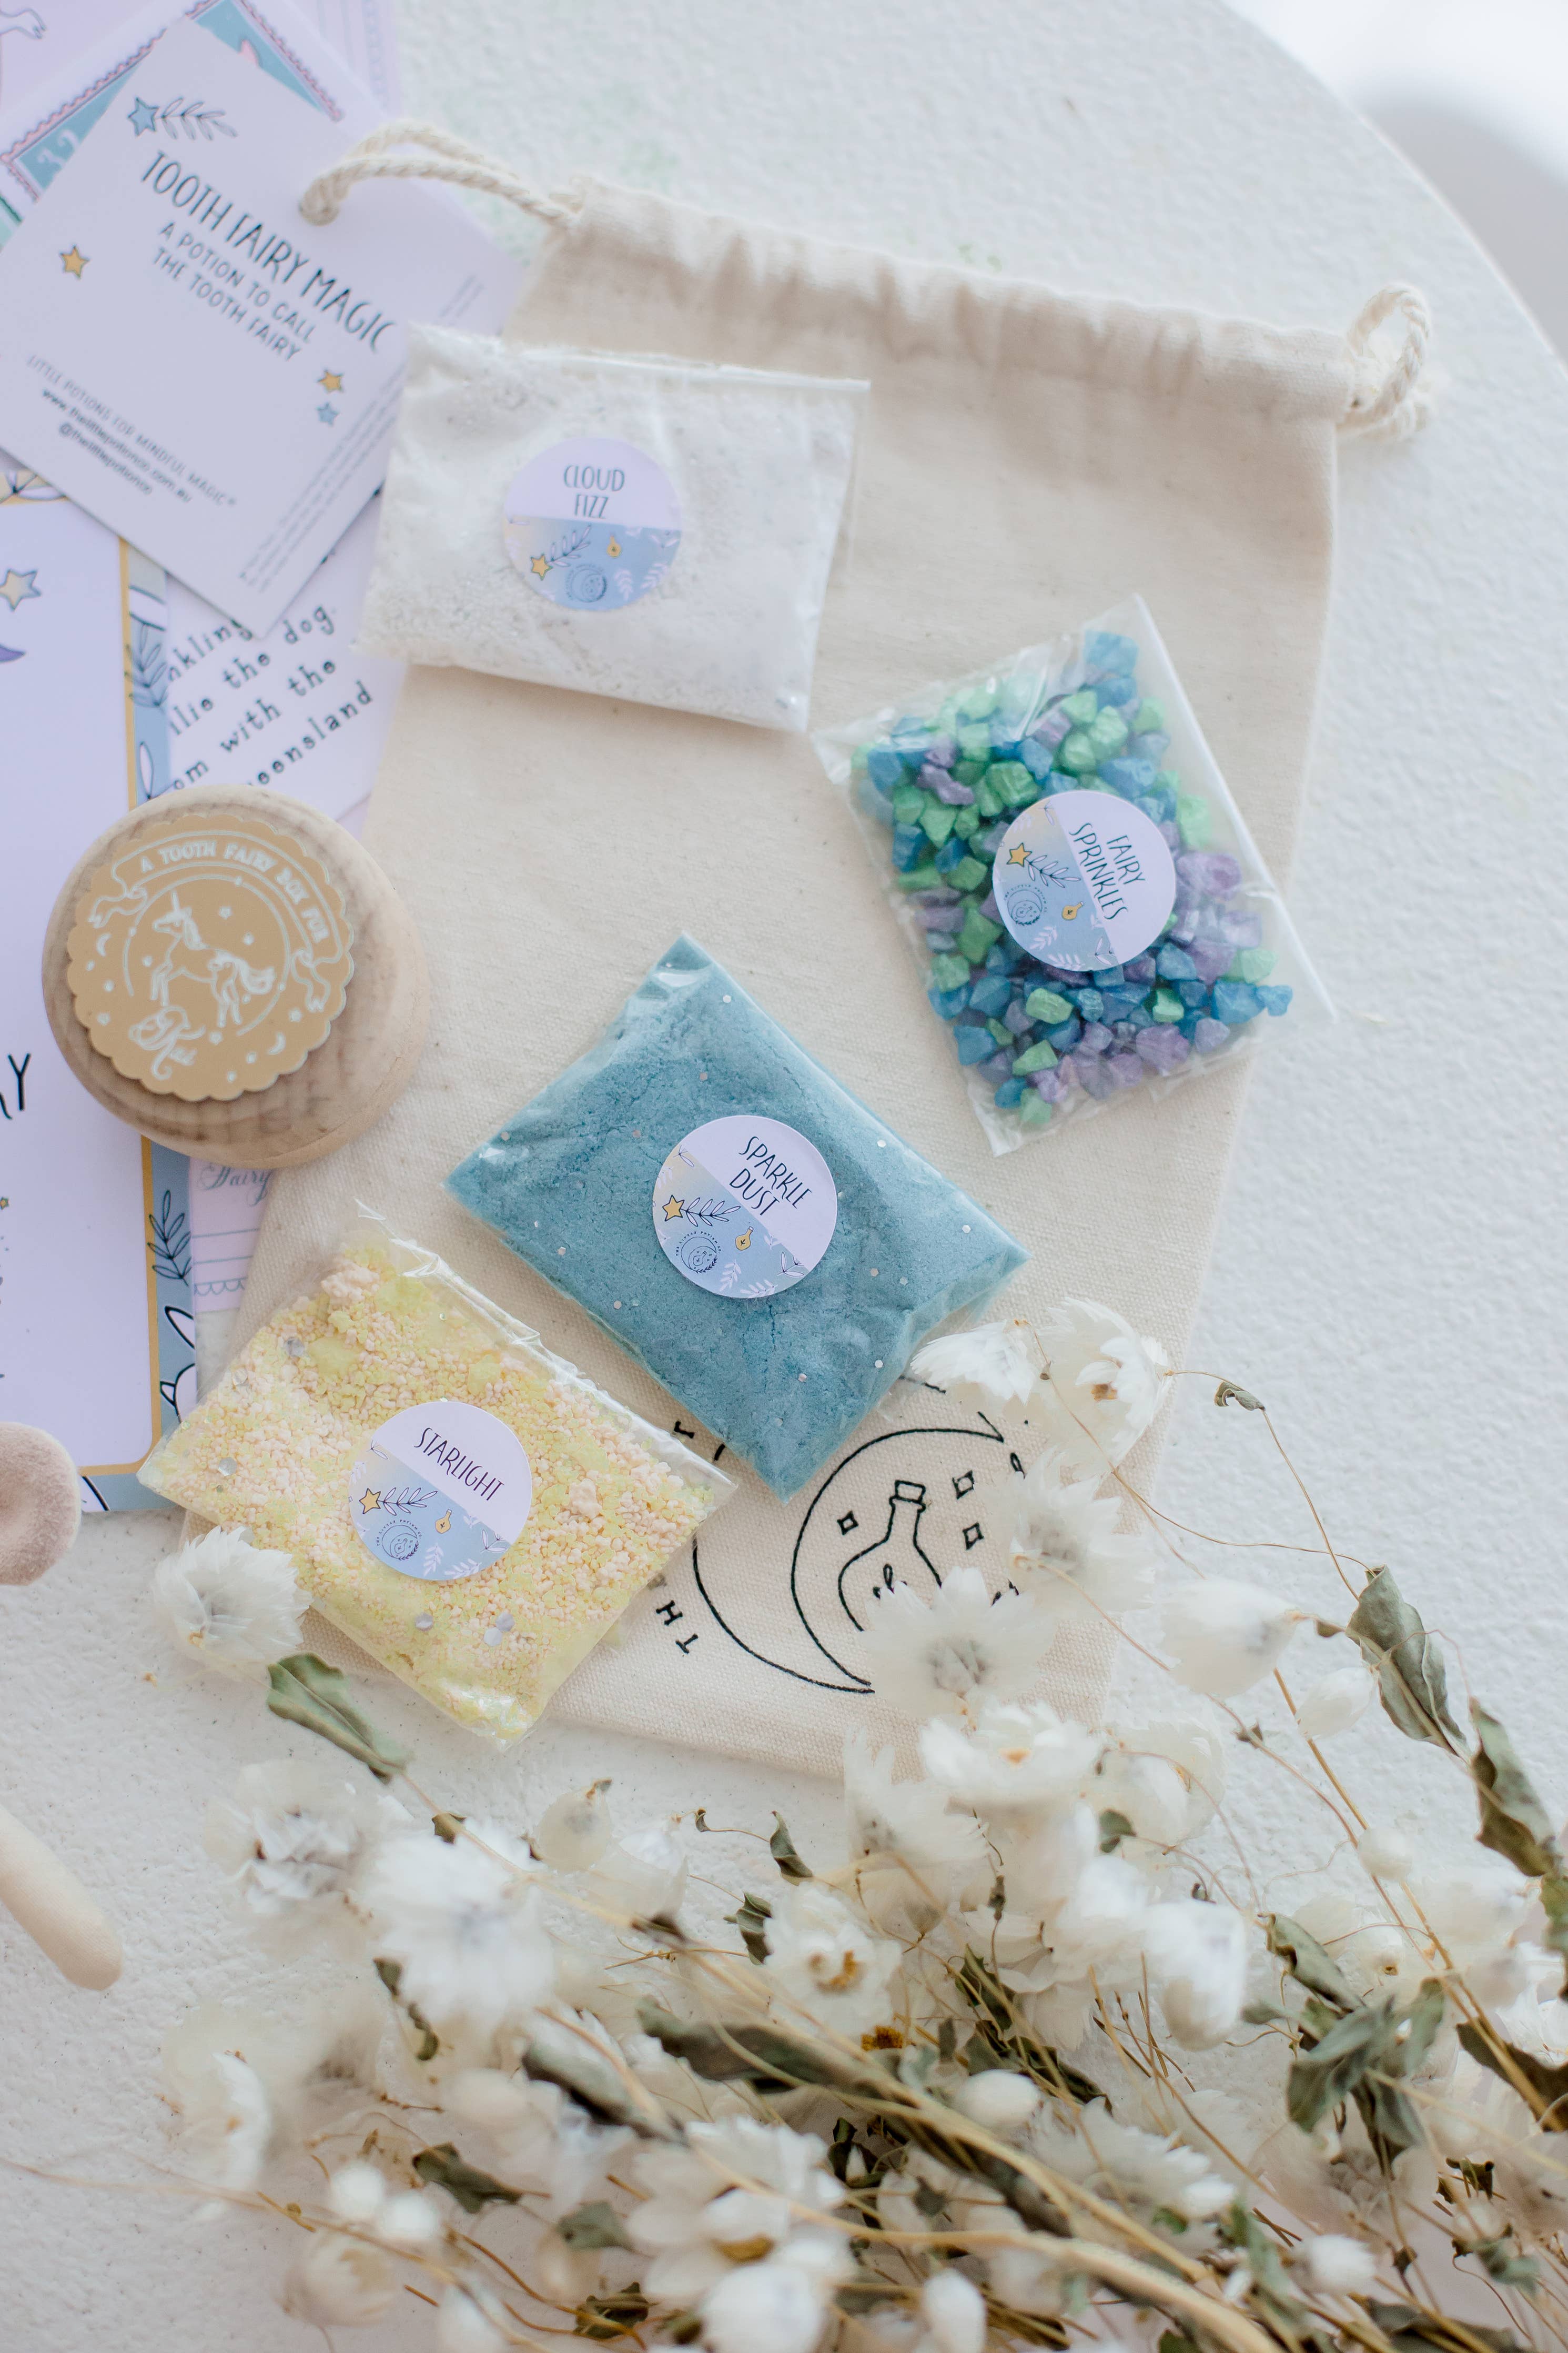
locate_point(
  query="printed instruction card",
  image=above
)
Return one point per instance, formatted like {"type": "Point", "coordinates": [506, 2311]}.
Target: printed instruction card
{"type": "Point", "coordinates": [191, 360]}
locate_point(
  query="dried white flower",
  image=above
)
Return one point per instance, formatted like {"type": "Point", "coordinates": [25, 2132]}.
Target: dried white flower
{"type": "Point", "coordinates": [1385, 1853]}
{"type": "Point", "coordinates": [1222, 1637]}
{"type": "Point", "coordinates": [1065, 1541]}
{"type": "Point", "coordinates": [641, 1876]}
{"type": "Point", "coordinates": [1198, 1966]}
{"type": "Point", "coordinates": [463, 1928]}
{"type": "Point", "coordinates": [998, 2098]}
{"type": "Point", "coordinates": [227, 2120]}
{"type": "Point", "coordinates": [780, 2305]}
{"type": "Point", "coordinates": [1149, 1792]}
{"type": "Point", "coordinates": [1104, 1384]}
{"type": "Point", "coordinates": [340, 2283]}
{"type": "Point", "coordinates": [1045, 1860]}
{"type": "Point", "coordinates": [357, 2191]}
{"type": "Point", "coordinates": [954, 2311]}
{"type": "Point", "coordinates": [464, 2322]}
{"type": "Point", "coordinates": [905, 1819]}
{"type": "Point", "coordinates": [1338, 2265]}
{"type": "Point", "coordinates": [1334, 1703]}
{"type": "Point", "coordinates": [1003, 1361]}
{"type": "Point", "coordinates": [292, 1842]}
{"type": "Point", "coordinates": [542, 2141]}
{"type": "Point", "coordinates": [947, 1655]}
{"type": "Point", "coordinates": [574, 1831]}
{"type": "Point", "coordinates": [1018, 1758]}
{"type": "Point", "coordinates": [732, 2194]}
{"type": "Point", "coordinates": [1118, 2160]}
{"type": "Point", "coordinates": [236, 1606]}
{"type": "Point", "coordinates": [822, 1957]}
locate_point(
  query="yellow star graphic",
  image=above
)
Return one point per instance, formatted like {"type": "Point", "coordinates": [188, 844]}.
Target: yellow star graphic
{"type": "Point", "coordinates": [329, 382]}
{"type": "Point", "coordinates": [370, 1501]}
{"type": "Point", "coordinates": [75, 262]}
{"type": "Point", "coordinates": [540, 564]}
{"type": "Point", "coordinates": [1017, 855]}
{"type": "Point", "coordinates": [674, 1208]}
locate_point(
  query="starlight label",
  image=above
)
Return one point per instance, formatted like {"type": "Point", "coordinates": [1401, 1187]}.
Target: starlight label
{"type": "Point", "coordinates": [591, 524]}
{"type": "Point", "coordinates": [441, 1491]}
{"type": "Point", "coordinates": [210, 955]}
{"type": "Point", "coordinates": [1083, 881]}
{"type": "Point", "coordinates": [744, 1206]}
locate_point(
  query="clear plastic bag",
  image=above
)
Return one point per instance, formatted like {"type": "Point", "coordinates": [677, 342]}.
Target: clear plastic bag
{"type": "Point", "coordinates": [736, 1219]}
{"type": "Point", "coordinates": [652, 529]}
{"type": "Point", "coordinates": [1078, 947]}
{"type": "Point", "coordinates": [466, 1507]}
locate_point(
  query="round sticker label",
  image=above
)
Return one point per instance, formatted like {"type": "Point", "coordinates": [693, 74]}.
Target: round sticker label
{"type": "Point", "coordinates": [1083, 881]}
{"type": "Point", "coordinates": [441, 1491]}
{"type": "Point", "coordinates": [744, 1206]}
{"type": "Point", "coordinates": [591, 524]}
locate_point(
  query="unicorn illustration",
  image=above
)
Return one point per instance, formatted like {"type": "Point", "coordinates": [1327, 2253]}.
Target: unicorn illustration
{"type": "Point", "coordinates": [189, 966]}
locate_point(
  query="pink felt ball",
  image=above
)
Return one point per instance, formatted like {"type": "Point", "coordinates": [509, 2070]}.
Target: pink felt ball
{"type": "Point", "coordinates": [40, 1502]}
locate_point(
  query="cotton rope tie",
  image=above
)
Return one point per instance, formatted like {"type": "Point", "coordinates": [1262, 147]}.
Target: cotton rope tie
{"type": "Point", "coordinates": [444, 158]}
{"type": "Point", "coordinates": [1390, 397]}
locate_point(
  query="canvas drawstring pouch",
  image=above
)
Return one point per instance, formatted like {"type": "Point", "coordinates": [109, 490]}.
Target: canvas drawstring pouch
{"type": "Point", "coordinates": [1026, 458]}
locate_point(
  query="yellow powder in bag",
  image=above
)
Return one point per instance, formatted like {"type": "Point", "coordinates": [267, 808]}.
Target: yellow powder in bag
{"type": "Point", "coordinates": [464, 1504]}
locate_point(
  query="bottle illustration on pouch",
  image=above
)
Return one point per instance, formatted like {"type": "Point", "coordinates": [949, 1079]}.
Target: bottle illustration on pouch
{"type": "Point", "coordinates": [897, 1557]}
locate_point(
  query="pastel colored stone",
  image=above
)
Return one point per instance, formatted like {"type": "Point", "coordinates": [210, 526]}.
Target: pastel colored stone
{"type": "Point", "coordinates": [936, 821]}
{"type": "Point", "coordinates": [948, 1002]}
{"type": "Point", "coordinates": [1015, 783]}
{"type": "Point", "coordinates": [1207, 1034]}
{"type": "Point", "coordinates": [1018, 1019]}
{"type": "Point", "coordinates": [969, 873]}
{"type": "Point", "coordinates": [991, 993]}
{"type": "Point", "coordinates": [1066, 1034]}
{"type": "Point", "coordinates": [1035, 1111]}
{"type": "Point", "coordinates": [966, 824]}
{"type": "Point", "coordinates": [1125, 1069]}
{"type": "Point", "coordinates": [977, 934]}
{"type": "Point", "coordinates": [1150, 717]}
{"type": "Point", "coordinates": [1050, 731]}
{"type": "Point", "coordinates": [1256, 964]}
{"type": "Point", "coordinates": [1116, 694]}
{"type": "Point", "coordinates": [1054, 1085]}
{"type": "Point", "coordinates": [974, 1042]}
{"type": "Point", "coordinates": [1172, 962]}
{"type": "Point", "coordinates": [1236, 1001]}
{"type": "Point", "coordinates": [1009, 1094]}
{"type": "Point", "coordinates": [1045, 1004]}
{"type": "Point", "coordinates": [40, 1502]}
{"type": "Point", "coordinates": [908, 846]}
{"type": "Point", "coordinates": [1274, 1001]}
{"type": "Point", "coordinates": [1128, 777]}
{"type": "Point", "coordinates": [974, 742]}
{"type": "Point", "coordinates": [1141, 968]}
{"type": "Point", "coordinates": [996, 1068]}
{"type": "Point", "coordinates": [1041, 1057]}
{"type": "Point", "coordinates": [941, 752]}
{"type": "Point", "coordinates": [883, 764]}
{"type": "Point", "coordinates": [1166, 1006]}
{"type": "Point", "coordinates": [1106, 652]}
{"type": "Point", "coordinates": [1079, 754]}
{"type": "Point", "coordinates": [1162, 1049]}
{"type": "Point", "coordinates": [1214, 872]}
{"type": "Point", "coordinates": [1108, 733]}
{"type": "Point", "coordinates": [1194, 821]}
{"type": "Point", "coordinates": [1095, 1040]}
{"type": "Point", "coordinates": [1079, 709]}
{"type": "Point", "coordinates": [949, 789]}
{"type": "Point", "coordinates": [1091, 1003]}
{"type": "Point", "coordinates": [1002, 1036]}
{"type": "Point", "coordinates": [1093, 1077]}
{"type": "Point", "coordinates": [950, 972]}
{"type": "Point", "coordinates": [583, 1158]}
{"type": "Point", "coordinates": [1210, 963]}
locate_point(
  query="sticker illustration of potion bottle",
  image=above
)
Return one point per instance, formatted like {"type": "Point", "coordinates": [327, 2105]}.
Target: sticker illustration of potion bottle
{"type": "Point", "coordinates": [895, 1559]}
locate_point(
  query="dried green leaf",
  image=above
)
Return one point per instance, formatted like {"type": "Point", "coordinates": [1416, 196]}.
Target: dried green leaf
{"type": "Point", "coordinates": [1308, 1963]}
{"type": "Point", "coordinates": [1006, 2041]}
{"type": "Point", "coordinates": [1548, 2085]}
{"type": "Point", "coordinates": [595, 2225]}
{"type": "Point", "coordinates": [1270, 2281]}
{"type": "Point", "coordinates": [781, 1846]}
{"type": "Point", "coordinates": [446, 1826]}
{"type": "Point", "coordinates": [1114, 1828]}
{"type": "Point", "coordinates": [307, 1691]}
{"type": "Point", "coordinates": [605, 2317]}
{"type": "Point", "coordinates": [1555, 1903]}
{"type": "Point", "coordinates": [1262, 2013]}
{"type": "Point", "coordinates": [1514, 1822]}
{"type": "Point", "coordinates": [1323, 2078]}
{"type": "Point", "coordinates": [1409, 2331]}
{"type": "Point", "coordinates": [1392, 2123]}
{"type": "Point", "coordinates": [752, 1920]}
{"type": "Point", "coordinates": [443, 2168]}
{"type": "Point", "coordinates": [555, 2054]}
{"type": "Point", "coordinates": [1232, 1393]}
{"type": "Point", "coordinates": [760, 2056]}
{"type": "Point", "coordinates": [1408, 1661]}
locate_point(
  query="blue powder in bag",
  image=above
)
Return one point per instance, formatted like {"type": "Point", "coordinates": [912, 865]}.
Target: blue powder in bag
{"type": "Point", "coordinates": [570, 1184]}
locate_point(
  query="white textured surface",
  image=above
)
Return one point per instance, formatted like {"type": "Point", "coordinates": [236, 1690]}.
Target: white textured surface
{"type": "Point", "coordinates": [1390, 1272]}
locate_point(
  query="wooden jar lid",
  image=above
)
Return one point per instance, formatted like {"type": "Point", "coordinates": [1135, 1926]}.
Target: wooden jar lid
{"type": "Point", "coordinates": [371, 967]}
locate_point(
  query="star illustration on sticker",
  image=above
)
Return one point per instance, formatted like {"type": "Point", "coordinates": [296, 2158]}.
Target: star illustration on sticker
{"type": "Point", "coordinates": [329, 382]}
{"type": "Point", "coordinates": [327, 413]}
{"type": "Point", "coordinates": [674, 1208]}
{"type": "Point", "coordinates": [1017, 855]}
{"type": "Point", "coordinates": [370, 1501]}
{"type": "Point", "coordinates": [75, 261]}
{"type": "Point", "coordinates": [142, 116]}
{"type": "Point", "coordinates": [541, 565]}
{"type": "Point", "coordinates": [17, 587]}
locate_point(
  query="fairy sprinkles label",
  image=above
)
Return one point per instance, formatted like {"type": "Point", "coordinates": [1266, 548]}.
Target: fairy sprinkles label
{"type": "Point", "coordinates": [441, 1491]}
{"type": "Point", "coordinates": [593, 524]}
{"type": "Point", "coordinates": [744, 1206]}
{"type": "Point", "coordinates": [1083, 881]}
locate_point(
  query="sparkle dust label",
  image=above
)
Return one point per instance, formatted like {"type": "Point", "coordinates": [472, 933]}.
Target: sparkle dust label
{"type": "Point", "coordinates": [744, 1206]}
{"type": "Point", "coordinates": [591, 524]}
{"type": "Point", "coordinates": [441, 1491]}
{"type": "Point", "coordinates": [1084, 880]}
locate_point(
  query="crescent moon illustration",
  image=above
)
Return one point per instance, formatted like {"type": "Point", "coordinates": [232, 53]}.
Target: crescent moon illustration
{"type": "Point", "coordinates": [277, 1044]}
{"type": "Point", "coordinates": [902, 1508]}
